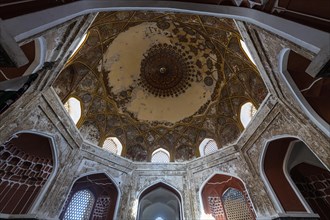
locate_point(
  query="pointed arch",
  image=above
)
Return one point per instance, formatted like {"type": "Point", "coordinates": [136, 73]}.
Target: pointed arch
{"type": "Point", "coordinates": [208, 146]}
{"type": "Point", "coordinates": [276, 164]}
{"type": "Point", "coordinates": [247, 111]}
{"type": "Point", "coordinates": [160, 200]}
{"type": "Point", "coordinates": [30, 160]}
{"type": "Point", "coordinates": [113, 145]}
{"type": "Point", "coordinates": [160, 156]}
{"type": "Point", "coordinates": [105, 191]}
{"type": "Point", "coordinates": [296, 91]}
{"type": "Point", "coordinates": [220, 182]}
{"type": "Point", "coordinates": [74, 108]}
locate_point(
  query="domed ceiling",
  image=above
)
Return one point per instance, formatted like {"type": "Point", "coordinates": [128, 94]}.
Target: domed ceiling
{"type": "Point", "coordinates": [165, 80]}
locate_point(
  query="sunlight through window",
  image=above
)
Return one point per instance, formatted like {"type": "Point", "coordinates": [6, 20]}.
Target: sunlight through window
{"type": "Point", "coordinates": [246, 50]}
{"type": "Point", "coordinates": [160, 156]}
{"type": "Point", "coordinates": [80, 206]}
{"type": "Point", "coordinates": [247, 112]}
{"type": "Point", "coordinates": [82, 40]}
{"type": "Point", "coordinates": [73, 107]}
{"type": "Point", "coordinates": [208, 146]}
{"type": "Point", "coordinates": [113, 145]}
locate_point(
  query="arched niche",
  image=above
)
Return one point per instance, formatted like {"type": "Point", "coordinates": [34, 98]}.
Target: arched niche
{"type": "Point", "coordinates": [101, 203]}
{"type": "Point", "coordinates": [159, 201]}
{"type": "Point", "coordinates": [28, 164]}
{"type": "Point", "coordinates": [208, 146]}
{"type": "Point", "coordinates": [113, 145]}
{"type": "Point", "coordinates": [160, 156]}
{"type": "Point", "coordinates": [310, 92]}
{"type": "Point", "coordinates": [248, 110]}
{"type": "Point", "coordinates": [73, 107]}
{"type": "Point", "coordinates": [287, 167]}
{"type": "Point", "coordinates": [223, 191]}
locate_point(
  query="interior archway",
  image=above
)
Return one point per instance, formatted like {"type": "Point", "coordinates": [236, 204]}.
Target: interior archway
{"type": "Point", "coordinates": [159, 202]}
{"type": "Point", "coordinates": [26, 165]}
{"type": "Point", "coordinates": [104, 194]}
{"type": "Point", "coordinates": [284, 161]}
{"type": "Point", "coordinates": [223, 195]}
{"type": "Point", "coordinates": [311, 92]}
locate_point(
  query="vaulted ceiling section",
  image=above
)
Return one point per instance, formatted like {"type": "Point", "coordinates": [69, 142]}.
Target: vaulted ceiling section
{"type": "Point", "coordinates": [161, 80]}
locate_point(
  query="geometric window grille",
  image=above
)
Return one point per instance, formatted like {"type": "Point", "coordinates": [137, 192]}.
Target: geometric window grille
{"type": "Point", "coordinates": [216, 207]}
{"type": "Point", "coordinates": [248, 110]}
{"type": "Point", "coordinates": [73, 107]}
{"type": "Point", "coordinates": [113, 145]}
{"type": "Point", "coordinates": [23, 174]}
{"type": "Point", "coordinates": [160, 156]}
{"type": "Point", "coordinates": [101, 208]}
{"type": "Point", "coordinates": [210, 147]}
{"type": "Point", "coordinates": [80, 206]}
{"type": "Point", "coordinates": [235, 205]}
{"type": "Point", "coordinates": [110, 145]}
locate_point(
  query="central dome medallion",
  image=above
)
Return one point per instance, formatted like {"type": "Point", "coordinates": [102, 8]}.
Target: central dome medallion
{"type": "Point", "coordinates": [166, 71]}
{"type": "Point", "coordinates": [154, 70]}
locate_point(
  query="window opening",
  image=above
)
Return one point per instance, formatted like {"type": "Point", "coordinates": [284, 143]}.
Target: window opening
{"type": "Point", "coordinates": [80, 206]}
{"type": "Point", "coordinates": [208, 146]}
{"type": "Point", "coordinates": [235, 205]}
{"type": "Point", "coordinates": [73, 107]}
{"type": "Point", "coordinates": [248, 110]}
{"type": "Point", "coordinates": [91, 197]}
{"type": "Point", "coordinates": [160, 156]}
{"type": "Point", "coordinates": [113, 145]}
{"type": "Point", "coordinates": [247, 52]}
{"type": "Point", "coordinates": [81, 41]}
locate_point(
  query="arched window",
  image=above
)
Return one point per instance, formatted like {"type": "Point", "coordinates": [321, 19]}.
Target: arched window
{"type": "Point", "coordinates": [160, 156]}
{"type": "Point", "coordinates": [247, 52]}
{"type": "Point", "coordinates": [208, 146]}
{"type": "Point", "coordinates": [248, 110]}
{"type": "Point", "coordinates": [80, 206]}
{"type": "Point", "coordinates": [225, 197]}
{"type": "Point", "coordinates": [235, 205]}
{"type": "Point", "coordinates": [91, 197]}
{"type": "Point", "coordinates": [26, 163]}
{"type": "Point", "coordinates": [295, 177]}
{"type": "Point", "coordinates": [73, 107]}
{"type": "Point", "coordinates": [113, 145]}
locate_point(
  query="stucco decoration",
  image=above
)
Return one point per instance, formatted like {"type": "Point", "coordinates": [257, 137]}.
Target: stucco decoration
{"type": "Point", "coordinates": [164, 80]}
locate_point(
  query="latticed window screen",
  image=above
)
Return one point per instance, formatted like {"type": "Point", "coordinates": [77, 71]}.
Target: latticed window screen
{"type": "Point", "coordinates": [160, 156]}
{"type": "Point", "coordinates": [210, 147]}
{"type": "Point", "coordinates": [236, 206]}
{"type": "Point", "coordinates": [72, 106]}
{"type": "Point", "coordinates": [101, 208]}
{"type": "Point", "coordinates": [216, 207]}
{"type": "Point", "coordinates": [248, 110]}
{"type": "Point", "coordinates": [110, 145]}
{"type": "Point", "coordinates": [253, 111]}
{"type": "Point", "coordinates": [80, 206]}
